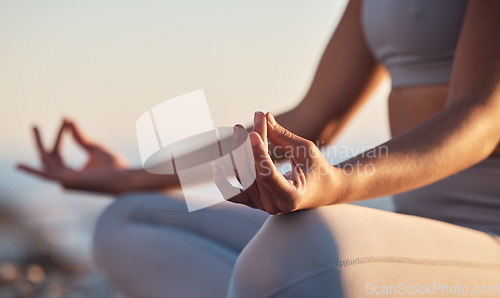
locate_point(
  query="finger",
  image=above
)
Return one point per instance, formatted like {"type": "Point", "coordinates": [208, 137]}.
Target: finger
{"type": "Point", "coordinates": [239, 135]}
{"type": "Point", "coordinates": [297, 175]}
{"type": "Point", "coordinates": [260, 126]}
{"type": "Point", "coordinates": [33, 171]}
{"type": "Point", "coordinates": [266, 170]}
{"type": "Point", "coordinates": [243, 199]}
{"type": "Point", "coordinates": [225, 187]}
{"type": "Point", "coordinates": [256, 194]}
{"type": "Point", "coordinates": [263, 199]}
{"type": "Point", "coordinates": [243, 158]}
{"type": "Point", "coordinates": [79, 137]}
{"type": "Point", "coordinates": [250, 195]}
{"type": "Point", "coordinates": [282, 137]}
{"type": "Point", "coordinates": [39, 145]}
{"type": "Point", "coordinates": [57, 143]}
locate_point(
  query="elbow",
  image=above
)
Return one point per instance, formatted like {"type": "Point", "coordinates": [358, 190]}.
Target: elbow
{"type": "Point", "coordinates": [480, 125]}
{"type": "Point", "coordinates": [487, 130]}
{"type": "Point", "coordinates": [493, 137]}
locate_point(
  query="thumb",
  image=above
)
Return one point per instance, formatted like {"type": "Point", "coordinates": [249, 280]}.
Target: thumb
{"type": "Point", "coordinates": [79, 137]}
{"type": "Point", "coordinates": [225, 187]}
{"type": "Point", "coordinates": [281, 137]}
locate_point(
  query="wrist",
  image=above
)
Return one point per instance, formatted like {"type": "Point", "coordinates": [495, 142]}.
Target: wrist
{"type": "Point", "coordinates": [123, 182]}
{"type": "Point", "coordinates": [341, 183]}
{"type": "Point", "coordinates": [139, 179]}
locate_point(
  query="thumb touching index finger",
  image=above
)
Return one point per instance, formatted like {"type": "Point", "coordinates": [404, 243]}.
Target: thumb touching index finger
{"type": "Point", "coordinates": [78, 136]}
{"type": "Point", "coordinates": [282, 137]}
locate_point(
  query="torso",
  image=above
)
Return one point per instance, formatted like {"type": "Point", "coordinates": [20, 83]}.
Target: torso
{"type": "Point", "coordinates": [409, 106]}
{"type": "Point", "coordinates": [416, 41]}
{"type": "Point", "coordinates": [469, 198]}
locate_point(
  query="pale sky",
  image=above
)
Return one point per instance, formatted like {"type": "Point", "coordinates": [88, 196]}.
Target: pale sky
{"type": "Point", "coordinates": [105, 62]}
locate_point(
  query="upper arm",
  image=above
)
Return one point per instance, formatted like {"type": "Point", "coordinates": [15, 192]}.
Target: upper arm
{"type": "Point", "coordinates": [346, 75]}
{"type": "Point", "coordinates": [476, 71]}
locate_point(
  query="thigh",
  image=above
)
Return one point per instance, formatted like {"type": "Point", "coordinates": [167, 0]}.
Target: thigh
{"type": "Point", "coordinates": [347, 251]}
{"type": "Point", "coordinates": [229, 224]}
{"type": "Point", "coordinates": [149, 245]}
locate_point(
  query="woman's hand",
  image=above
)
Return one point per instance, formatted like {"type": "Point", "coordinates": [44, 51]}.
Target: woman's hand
{"type": "Point", "coordinates": [103, 172]}
{"type": "Point", "coordinates": [311, 183]}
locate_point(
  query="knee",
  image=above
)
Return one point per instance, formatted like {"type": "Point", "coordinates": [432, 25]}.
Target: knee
{"type": "Point", "coordinates": [287, 249]}
{"type": "Point", "coordinates": [110, 226]}
{"type": "Point", "coordinates": [301, 251]}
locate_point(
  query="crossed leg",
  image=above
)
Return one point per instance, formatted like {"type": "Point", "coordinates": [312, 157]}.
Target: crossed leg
{"type": "Point", "coordinates": [353, 251]}
{"type": "Point", "coordinates": [149, 245]}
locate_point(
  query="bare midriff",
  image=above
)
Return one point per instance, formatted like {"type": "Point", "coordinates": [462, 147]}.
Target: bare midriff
{"type": "Point", "coordinates": [409, 106]}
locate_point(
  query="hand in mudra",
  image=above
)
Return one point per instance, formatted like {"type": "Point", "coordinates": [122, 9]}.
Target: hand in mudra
{"type": "Point", "coordinates": [312, 182]}
{"type": "Point", "coordinates": [103, 172]}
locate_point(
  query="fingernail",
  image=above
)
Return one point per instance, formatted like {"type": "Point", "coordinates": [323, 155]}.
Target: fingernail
{"type": "Point", "coordinates": [258, 116]}
{"type": "Point", "coordinates": [237, 129]}
{"type": "Point", "coordinates": [271, 119]}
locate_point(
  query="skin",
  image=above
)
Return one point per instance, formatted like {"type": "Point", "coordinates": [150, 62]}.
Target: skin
{"type": "Point", "coordinates": [437, 130]}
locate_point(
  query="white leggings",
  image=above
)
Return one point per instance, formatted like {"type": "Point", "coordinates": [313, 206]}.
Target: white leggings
{"type": "Point", "coordinates": [148, 245]}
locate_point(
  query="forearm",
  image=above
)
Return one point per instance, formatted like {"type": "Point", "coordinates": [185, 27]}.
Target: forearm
{"type": "Point", "coordinates": [140, 180]}
{"type": "Point", "coordinates": [453, 140]}
{"type": "Point", "coordinates": [297, 120]}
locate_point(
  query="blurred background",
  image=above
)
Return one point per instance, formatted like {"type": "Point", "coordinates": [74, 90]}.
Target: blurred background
{"type": "Point", "coordinates": [103, 63]}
